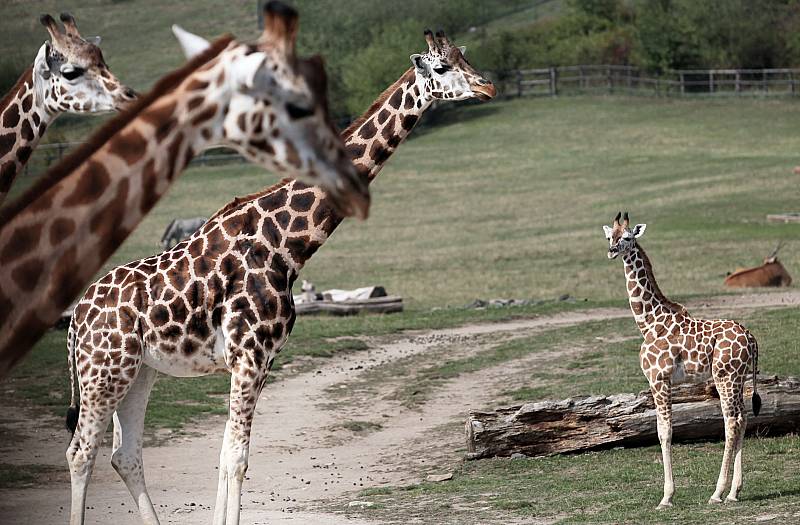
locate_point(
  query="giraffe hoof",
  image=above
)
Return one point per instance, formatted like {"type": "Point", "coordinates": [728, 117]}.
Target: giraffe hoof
{"type": "Point", "coordinates": [732, 499]}
{"type": "Point", "coordinates": [714, 500]}
{"type": "Point", "coordinates": [662, 506]}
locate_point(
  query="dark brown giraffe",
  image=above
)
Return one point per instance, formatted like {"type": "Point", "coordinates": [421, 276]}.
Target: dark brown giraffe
{"type": "Point", "coordinates": [679, 348]}
{"type": "Point", "coordinates": [70, 75]}
{"type": "Point", "coordinates": [261, 100]}
{"type": "Point", "coordinates": [222, 299]}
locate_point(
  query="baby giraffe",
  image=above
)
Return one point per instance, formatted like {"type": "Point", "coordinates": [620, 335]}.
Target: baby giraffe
{"type": "Point", "coordinates": [678, 348]}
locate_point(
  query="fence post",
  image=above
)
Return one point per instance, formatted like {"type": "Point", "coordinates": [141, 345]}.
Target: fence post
{"type": "Point", "coordinates": [519, 83]}
{"type": "Point", "coordinates": [711, 80]}
{"type": "Point", "coordinates": [764, 80]}
{"type": "Point", "coordinates": [682, 86]}
{"type": "Point", "coordinates": [629, 71]}
{"type": "Point", "coordinates": [791, 81]}
{"type": "Point", "coordinates": [553, 80]}
{"type": "Point", "coordinates": [738, 81]}
{"type": "Point", "coordinates": [609, 80]}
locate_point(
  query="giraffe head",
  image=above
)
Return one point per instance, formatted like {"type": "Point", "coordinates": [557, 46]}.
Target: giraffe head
{"type": "Point", "coordinates": [621, 238]}
{"type": "Point", "coordinates": [446, 73]}
{"type": "Point", "coordinates": [70, 73]}
{"type": "Point", "coordinates": [276, 110]}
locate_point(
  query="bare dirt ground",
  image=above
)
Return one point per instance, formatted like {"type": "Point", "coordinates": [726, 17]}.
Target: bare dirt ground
{"type": "Point", "coordinates": [319, 436]}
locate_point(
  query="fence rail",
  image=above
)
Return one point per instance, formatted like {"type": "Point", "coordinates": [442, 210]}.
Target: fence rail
{"type": "Point", "coordinates": [608, 78]}
{"type": "Point", "coordinates": [566, 80]}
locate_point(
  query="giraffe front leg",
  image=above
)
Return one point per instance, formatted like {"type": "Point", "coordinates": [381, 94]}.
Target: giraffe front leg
{"type": "Point", "coordinates": [246, 386]}
{"type": "Point", "coordinates": [662, 396]}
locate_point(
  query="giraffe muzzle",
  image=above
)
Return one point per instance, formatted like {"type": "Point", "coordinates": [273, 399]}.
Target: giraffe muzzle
{"type": "Point", "coordinates": [484, 90]}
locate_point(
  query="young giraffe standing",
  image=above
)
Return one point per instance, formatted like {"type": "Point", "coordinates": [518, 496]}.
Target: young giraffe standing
{"type": "Point", "coordinates": [69, 74]}
{"type": "Point", "coordinates": [678, 348]}
{"type": "Point", "coordinates": [222, 299]}
{"type": "Point", "coordinates": [261, 100]}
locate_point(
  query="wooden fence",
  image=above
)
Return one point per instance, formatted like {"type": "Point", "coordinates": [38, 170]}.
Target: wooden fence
{"type": "Point", "coordinates": [566, 80]}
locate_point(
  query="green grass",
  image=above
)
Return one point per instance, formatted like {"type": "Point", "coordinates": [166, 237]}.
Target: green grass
{"type": "Point", "coordinates": [506, 199]}
{"type": "Point", "coordinates": [615, 486]}
{"type": "Point", "coordinates": [509, 200]}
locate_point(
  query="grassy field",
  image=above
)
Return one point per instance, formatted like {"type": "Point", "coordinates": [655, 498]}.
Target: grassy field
{"type": "Point", "coordinates": [615, 486]}
{"type": "Point", "coordinates": [507, 200]}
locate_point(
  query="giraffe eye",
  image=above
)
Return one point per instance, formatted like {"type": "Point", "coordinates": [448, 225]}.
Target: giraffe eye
{"type": "Point", "coordinates": [442, 69]}
{"type": "Point", "coordinates": [296, 112]}
{"type": "Point", "coordinates": [73, 73]}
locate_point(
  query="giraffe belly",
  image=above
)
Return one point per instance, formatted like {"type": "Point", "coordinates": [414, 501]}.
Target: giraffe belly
{"type": "Point", "coordinates": [207, 359]}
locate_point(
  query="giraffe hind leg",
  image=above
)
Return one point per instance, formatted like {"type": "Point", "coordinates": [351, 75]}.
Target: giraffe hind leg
{"type": "Point", "coordinates": [733, 417]}
{"type": "Point", "coordinates": [126, 457]}
{"type": "Point", "coordinates": [82, 451]}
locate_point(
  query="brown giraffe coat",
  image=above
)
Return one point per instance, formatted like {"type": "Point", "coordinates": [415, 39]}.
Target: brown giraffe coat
{"type": "Point", "coordinates": [678, 348]}
{"type": "Point", "coordinates": [222, 299]}
{"type": "Point", "coordinates": [68, 75]}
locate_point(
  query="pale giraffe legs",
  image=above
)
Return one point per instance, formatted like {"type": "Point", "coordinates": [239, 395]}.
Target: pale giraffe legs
{"type": "Point", "coordinates": [662, 396]}
{"type": "Point", "coordinates": [234, 454]}
{"type": "Point", "coordinates": [736, 486]}
{"type": "Point", "coordinates": [733, 414]}
{"type": "Point", "coordinates": [127, 450]}
{"type": "Point", "coordinates": [82, 451]}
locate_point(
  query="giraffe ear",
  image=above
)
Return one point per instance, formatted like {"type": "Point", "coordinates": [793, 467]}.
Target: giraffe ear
{"type": "Point", "coordinates": [638, 230]}
{"type": "Point", "coordinates": [43, 65]}
{"type": "Point", "coordinates": [420, 65]}
{"type": "Point", "coordinates": [93, 40]}
{"type": "Point", "coordinates": [607, 231]}
{"type": "Point", "coordinates": [191, 44]}
{"type": "Point", "coordinates": [463, 50]}
{"type": "Point", "coordinates": [246, 68]}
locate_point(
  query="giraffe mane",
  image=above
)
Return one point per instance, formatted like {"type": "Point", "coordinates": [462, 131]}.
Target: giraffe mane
{"type": "Point", "coordinates": [376, 105]}
{"type": "Point", "coordinates": [238, 201]}
{"type": "Point", "coordinates": [648, 268]}
{"type": "Point", "coordinates": [100, 137]}
{"type": "Point", "coordinates": [26, 75]}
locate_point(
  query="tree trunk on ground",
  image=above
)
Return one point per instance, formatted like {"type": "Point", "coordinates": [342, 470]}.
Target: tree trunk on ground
{"type": "Point", "coordinates": [624, 420]}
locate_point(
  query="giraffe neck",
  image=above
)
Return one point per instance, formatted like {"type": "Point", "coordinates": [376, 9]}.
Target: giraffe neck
{"type": "Point", "coordinates": [370, 140]}
{"type": "Point", "coordinates": [23, 120]}
{"type": "Point", "coordinates": [374, 136]}
{"type": "Point", "coordinates": [646, 299]}
{"type": "Point", "coordinates": [56, 236]}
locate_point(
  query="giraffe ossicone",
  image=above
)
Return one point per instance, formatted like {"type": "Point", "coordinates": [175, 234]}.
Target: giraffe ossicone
{"type": "Point", "coordinates": [69, 74]}
{"type": "Point", "coordinates": [222, 299]}
{"type": "Point", "coordinates": [678, 348]}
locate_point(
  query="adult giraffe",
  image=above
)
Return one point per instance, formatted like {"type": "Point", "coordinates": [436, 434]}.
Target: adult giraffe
{"type": "Point", "coordinates": [679, 348]}
{"type": "Point", "coordinates": [70, 75]}
{"type": "Point", "coordinates": [222, 299]}
{"type": "Point", "coordinates": [261, 100]}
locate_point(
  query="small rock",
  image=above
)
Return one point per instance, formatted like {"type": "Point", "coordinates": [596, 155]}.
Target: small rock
{"type": "Point", "coordinates": [439, 477]}
{"type": "Point", "coordinates": [518, 455]}
{"type": "Point", "coordinates": [766, 517]}
{"type": "Point", "coordinates": [362, 504]}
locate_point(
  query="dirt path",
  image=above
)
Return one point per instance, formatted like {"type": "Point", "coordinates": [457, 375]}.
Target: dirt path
{"type": "Point", "coordinates": [300, 454]}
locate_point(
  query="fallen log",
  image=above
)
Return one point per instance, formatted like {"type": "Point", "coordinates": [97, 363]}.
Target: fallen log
{"type": "Point", "coordinates": [624, 420]}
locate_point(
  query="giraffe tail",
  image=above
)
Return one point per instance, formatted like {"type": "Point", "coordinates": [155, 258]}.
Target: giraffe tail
{"type": "Point", "coordinates": [754, 357]}
{"type": "Point", "coordinates": [74, 408]}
